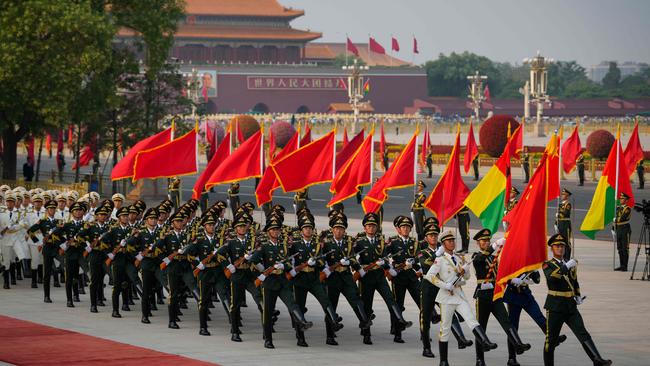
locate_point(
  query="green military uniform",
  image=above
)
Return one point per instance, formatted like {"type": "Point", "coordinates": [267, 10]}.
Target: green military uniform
{"type": "Point", "coordinates": [526, 165]}
{"type": "Point", "coordinates": [623, 231]}
{"type": "Point", "coordinates": [91, 235]}
{"type": "Point", "coordinates": [174, 191]}
{"type": "Point", "coordinates": [115, 239]}
{"type": "Point", "coordinates": [233, 198]}
{"type": "Point", "coordinates": [640, 170]}
{"type": "Point", "coordinates": [49, 249]}
{"type": "Point", "coordinates": [463, 228]}
{"type": "Point", "coordinates": [300, 201]}
{"type": "Point", "coordinates": [73, 248]}
{"type": "Point", "coordinates": [428, 291]}
{"type": "Point", "coordinates": [562, 306]}
{"type": "Point", "coordinates": [417, 210]}
{"type": "Point", "coordinates": [563, 223]}
{"type": "Point", "coordinates": [580, 165]}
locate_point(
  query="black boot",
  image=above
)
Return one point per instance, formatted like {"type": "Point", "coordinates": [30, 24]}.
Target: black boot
{"type": "Point", "coordinates": [457, 331]}
{"type": "Point", "coordinates": [513, 337]}
{"type": "Point", "coordinates": [5, 276]}
{"type": "Point", "coordinates": [480, 335]}
{"type": "Point", "coordinates": [593, 354]}
{"type": "Point", "coordinates": [172, 318]}
{"type": "Point", "coordinates": [549, 356]}
{"type": "Point", "coordinates": [512, 355]}
{"type": "Point", "coordinates": [145, 320]}
{"type": "Point", "coordinates": [480, 356]}
{"type": "Point", "coordinates": [366, 336]}
{"type": "Point", "coordinates": [300, 336]}
{"type": "Point", "coordinates": [27, 267]}
{"type": "Point", "coordinates": [299, 317]}
{"type": "Point", "coordinates": [39, 272]}
{"type": "Point", "coordinates": [93, 309]}
{"type": "Point", "coordinates": [19, 270]}
{"type": "Point", "coordinates": [203, 321]}
{"type": "Point", "coordinates": [443, 349]}
{"type": "Point", "coordinates": [364, 321]}
{"type": "Point", "coordinates": [12, 273]}
{"type": "Point", "coordinates": [426, 345]}
{"type": "Point", "coordinates": [56, 280]}
{"type": "Point", "coordinates": [34, 285]}
{"type": "Point", "coordinates": [397, 313]}
{"type": "Point", "coordinates": [333, 319]}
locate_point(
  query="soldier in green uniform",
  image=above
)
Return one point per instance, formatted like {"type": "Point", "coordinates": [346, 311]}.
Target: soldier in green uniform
{"type": "Point", "coordinates": [485, 265]}
{"type": "Point", "coordinates": [115, 239]}
{"type": "Point", "coordinates": [622, 231]}
{"type": "Point", "coordinates": [300, 201]}
{"type": "Point", "coordinates": [428, 291]}
{"type": "Point", "coordinates": [309, 251]}
{"type": "Point", "coordinates": [580, 166]}
{"type": "Point", "coordinates": [233, 197]}
{"type": "Point", "coordinates": [91, 235]}
{"type": "Point", "coordinates": [640, 170]}
{"type": "Point", "coordinates": [417, 210]}
{"type": "Point", "coordinates": [404, 270]}
{"type": "Point", "coordinates": [370, 269]}
{"type": "Point", "coordinates": [73, 251]}
{"type": "Point", "coordinates": [525, 163]}
{"type": "Point", "coordinates": [562, 304]}
{"type": "Point", "coordinates": [337, 274]}
{"type": "Point", "coordinates": [174, 192]}
{"type": "Point", "coordinates": [475, 163]}
{"type": "Point", "coordinates": [46, 227]}
{"type": "Point", "coordinates": [512, 202]}
{"type": "Point", "coordinates": [272, 260]}
{"type": "Point", "coordinates": [463, 228]}
{"type": "Point", "coordinates": [563, 220]}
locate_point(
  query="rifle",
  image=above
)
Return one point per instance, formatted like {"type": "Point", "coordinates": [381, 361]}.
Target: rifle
{"type": "Point", "coordinates": [205, 261]}
{"type": "Point", "coordinates": [238, 262]}
{"type": "Point", "coordinates": [301, 266]}
{"type": "Point", "coordinates": [47, 237]}
{"type": "Point", "coordinates": [268, 271]}
{"type": "Point", "coordinates": [144, 254]}
{"type": "Point", "coordinates": [171, 257]}
{"type": "Point", "coordinates": [94, 243]}
{"type": "Point", "coordinates": [399, 267]}
{"type": "Point", "coordinates": [373, 265]}
{"type": "Point", "coordinates": [336, 265]}
{"type": "Point", "coordinates": [115, 251]}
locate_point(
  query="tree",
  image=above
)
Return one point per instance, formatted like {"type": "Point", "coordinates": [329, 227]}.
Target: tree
{"type": "Point", "coordinates": [447, 76]}
{"type": "Point", "coordinates": [613, 77]}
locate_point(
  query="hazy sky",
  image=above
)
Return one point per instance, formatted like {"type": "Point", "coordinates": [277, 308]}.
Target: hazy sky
{"type": "Point", "coordinates": [588, 31]}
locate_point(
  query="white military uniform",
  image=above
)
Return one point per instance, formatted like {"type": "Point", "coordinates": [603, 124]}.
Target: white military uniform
{"type": "Point", "coordinates": [443, 273]}
{"type": "Point", "coordinates": [62, 214]}
{"type": "Point", "coordinates": [10, 220]}
{"type": "Point", "coordinates": [32, 218]}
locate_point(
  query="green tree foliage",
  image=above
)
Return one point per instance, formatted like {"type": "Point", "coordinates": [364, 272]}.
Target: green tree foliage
{"type": "Point", "coordinates": [613, 77]}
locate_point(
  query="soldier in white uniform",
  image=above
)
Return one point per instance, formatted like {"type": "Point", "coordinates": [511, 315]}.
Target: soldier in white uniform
{"type": "Point", "coordinates": [62, 212]}
{"type": "Point", "coordinates": [32, 217]}
{"type": "Point", "coordinates": [9, 227]}
{"type": "Point", "coordinates": [118, 200]}
{"type": "Point", "coordinates": [449, 272]}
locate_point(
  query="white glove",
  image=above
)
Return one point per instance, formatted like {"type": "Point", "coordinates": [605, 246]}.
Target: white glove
{"type": "Point", "coordinates": [180, 251]}
{"type": "Point", "coordinates": [63, 247]}
{"type": "Point", "coordinates": [529, 281]}
{"type": "Point", "coordinates": [123, 243]}
{"type": "Point", "coordinates": [344, 262]}
{"type": "Point", "coordinates": [327, 271]}
{"type": "Point", "coordinates": [89, 248]}
{"type": "Point", "coordinates": [392, 272]}
{"type": "Point", "coordinates": [261, 277]}
{"type": "Point", "coordinates": [167, 260]}
{"type": "Point", "coordinates": [516, 281]}
{"type": "Point", "coordinates": [571, 263]}
{"type": "Point", "coordinates": [487, 286]}
{"type": "Point", "coordinates": [214, 252]}
{"type": "Point", "coordinates": [201, 266]}
{"type": "Point", "coordinates": [467, 266]}
{"type": "Point", "coordinates": [501, 242]}
{"type": "Point", "coordinates": [409, 263]}
{"type": "Point", "coordinates": [613, 234]}
{"type": "Point", "coordinates": [580, 299]}
{"type": "Point", "coordinates": [112, 256]}
{"type": "Point", "coordinates": [139, 257]}
{"type": "Point", "coordinates": [380, 262]}
{"type": "Point", "coordinates": [247, 256]}
{"type": "Point", "coordinates": [440, 251]}
{"type": "Point", "coordinates": [419, 271]}
{"type": "Point", "coordinates": [361, 272]}
{"type": "Point", "coordinates": [231, 268]}
{"type": "Point", "coordinates": [556, 229]}
{"type": "Point", "coordinates": [293, 273]}
{"type": "Point", "coordinates": [311, 262]}
{"type": "Point", "coordinates": [278, 266]}
{"type": "Point", "coordinates": [449, 286]}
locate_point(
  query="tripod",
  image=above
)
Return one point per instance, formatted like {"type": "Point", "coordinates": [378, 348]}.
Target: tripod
{"type": "Point", "coordinates": [644, 240]}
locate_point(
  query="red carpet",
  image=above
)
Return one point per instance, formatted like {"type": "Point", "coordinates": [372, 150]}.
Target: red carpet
{"type": "Point", "coordinates": [27, 343]}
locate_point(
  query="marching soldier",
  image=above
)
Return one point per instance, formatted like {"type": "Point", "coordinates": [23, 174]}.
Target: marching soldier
{"type": "Point", "coordinates": [514, 192]}
{"type": "Point", "coordinates": [118, 201]}
{"type": "Point", "coordinates": [47, 245]}
{"type": "Point", "coordinates": [525, 163]}
{"type": "Point", "coordinates": [233, 197]}
{"type": "Point", "coordinates": [580, 165]}
{"type": "Point", "coordinates": [96, 251]}
{"type": "Point", "coordinates": [449, 272]}
{"type": "Point", "coordinates": [272, 259]}
{"type": "Point", "coordinates": [562, 304]}
{"type": "Point", "coordinates": [485, 265]}
{"type": "Point", "coordinates": [563, 220]}
{"type": "Point", "coordinates": [174, 192]}
{"type": "Point", "coordinates": [370, 272]}
{"type": "Point", "coordinates": [463, 228]}
{"type": "Point", "coordinates": [640, 170]}
{"type": "Point", "coordinates": [115, 239]}
{"type": "Point", "coordinates": [338, 276]}
{"type": "Point", "coordinates": [70, 245]}
{"type": "Point", "coordinates": [306, 277]}
{"type": "Point", "coordinates": [622, 230]}
{"type": "Point", "coordinates": [300, 201]}
{"type": "Point", "coordinates": [417, 210]}
{"type": "Point", "coordinates": [32, 217]}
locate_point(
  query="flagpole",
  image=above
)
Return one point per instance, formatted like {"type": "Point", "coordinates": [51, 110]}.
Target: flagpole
{"type": "Point", "coordinates": [415, 159]}
{"type": "Point", "coordinates": [391, 50]}
{"type": "Point", "coordinates": [368, 48]}
{"type": "Point", "coordinates": [372, 152]}
{"type": "Point", "coordinates": [346, 48]}
{"type": "Point", "coordinates": [618, 145]}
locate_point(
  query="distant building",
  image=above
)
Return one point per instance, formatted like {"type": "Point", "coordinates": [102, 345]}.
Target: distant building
{"type": "Point", "coordinates": [597, 72]}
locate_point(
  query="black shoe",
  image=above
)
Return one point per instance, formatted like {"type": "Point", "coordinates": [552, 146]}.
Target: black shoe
{"type": "Point", "coordinates": [153, 306]}
{"type": "Point", "coordinates": [513, 362]}
{"type": "Point", "coordinates": [204, 332]}
{"type": "Point", "coordinates": [177, 319]}
{"type": "Point", "coordinates": [561, 338]}
{"type": "Point", "coordinates": [56, 284]}
{"type": "Point", "coordinates": [160, 301]}
{"type": "Point", "coordinates": [302, 343]}
{"type": "Point", "coordinates": [331, 341]}
{"type": "Point", "coordinates": [93, 309]}
{"type": "Point", "coordinates": [76, 298]}
{"type": "Point", "coordinates": [47, 300]}
{"type": "Point", "coordinates": [398, 339]}
{"type": "Point", "coordinates": [236, 338]}
{"type": "Point", "coordinates": [182, 305]}
{"type": "Point", "coordinates": [126, 307]}
{"type": "Point", "coordinates": [100, 303]}
{"type": "Point", "coordinates": [480, 363]}
{"type": "Point", "coordinates": [244, 305]}
{"type": "Point", "coordinates": [268, 344]}
{"type": "Point", "coordinates": [173, 325]}
{"type": "Point", "coordinates": [145, 320]}
{"type": "Point", "coordinates": [116, 314]}
{"type": "Point", "coordinates": [34, 285]}
{"type": "Point", "coordinates": [69, 304]}
{"type": "Point", "coordinates": [620, 269]}
{"type": "Point", "coordinates": [435, 318]}
{"type": "Point", "coordinates": [427, 353]}
{"type": "Point", "coordinates": [130, 302]}
{"type": "Point", "coordinates": [367, 339]}
{"type": "Point", "coordinates": [179, 313]}
{"type": "Point", "coordinates": [81, 290]}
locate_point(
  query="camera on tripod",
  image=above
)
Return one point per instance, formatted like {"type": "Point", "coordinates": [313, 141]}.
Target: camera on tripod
{"type": "Point", "coordinates": [644, 208]}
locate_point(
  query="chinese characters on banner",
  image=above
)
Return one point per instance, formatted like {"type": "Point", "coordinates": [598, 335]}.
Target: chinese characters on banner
{"type": "Point", "coordinates": [292, 82]}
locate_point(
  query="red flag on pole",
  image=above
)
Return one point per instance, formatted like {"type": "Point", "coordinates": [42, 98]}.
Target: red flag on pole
{"type": "Point", "coordinates": [570, 151]}
{"type": "Point", "coordinates": [85, 156]}
{"type": "Point", "coordinates": [352, 48]}
{"type": "Point", "coordinates": [348, 150]}
{"type": "Point", "coordinates": [400, 174]}
{"type": "Point", "coordinates": [516, 142]}
{"type": "Point", "coordinates": [245, 162]}
{"type": "Point", "coordinates": [309, 165]}
{"type": "Point", "coordinates": [124, 167]}
{"type": "Point", "coordinates": [486, 93]}
{"type": "Point", "coordinates": [415, 45]}
{"type": "Point", "coordinates": [448, 195]}
{"type": "Point", "coordinates": [272, 146]}
{"type": "Point", "coordinates": [382, 145]}
{"type": "Point", "coordinates": [174, 158]}
{"type": "Point", "coordinates": [394, 44]}
{"type": "Point", "coordinates": [345, 136]}
{"type": "Point", "coordinates": [210, 138]}
{"type": "Point", "coordinates": [48, 144]}
{"type": "Point", "coordinates": [425, 146]}
{"type": "Point", "coordinates": [356, 172]}
{"type": "Point", "coordinates": [375, 47]}
{"type": "Point", "coordinates": [633, 151]}
{"type": "Point", "coordinates": [553, 161]}
{"type": "Point", "coordinates": [269, 182]}
{"type": "Point", "coordinates": [306, 138]}
{"type": "Point", "coordinates": [220, 155]}
{"type": "Point", "coordinates": [59, 143]}
{"type": "Point", "coordinates": [471, 150]}
{"type": "Point", "coordinates": [240, 133]}
{"type": "Point", "coordinates": [30, 148]}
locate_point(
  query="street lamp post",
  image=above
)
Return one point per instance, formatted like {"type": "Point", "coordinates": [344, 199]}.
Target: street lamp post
{"type": "Point", "coordinates": [355, 88]}
{"type": "Point", "coordinates": [538, 86]}
{"type": "Point", "coordinates": [193, 90]}
{"type": "Point", "coordinates": [476, 92]}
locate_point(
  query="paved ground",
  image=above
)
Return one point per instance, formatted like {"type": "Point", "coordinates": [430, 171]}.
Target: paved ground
{"type": "Point", "coordinates": [614, 313]}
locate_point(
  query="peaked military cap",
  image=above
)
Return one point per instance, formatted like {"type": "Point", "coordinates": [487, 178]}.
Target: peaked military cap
{"type": "Point", "coordinates": [272, 223]}
{"type": "Point", "coordinates": [77, 206]}
{"type": "Point", "coordinates": [306, 221]}
{"type": "Point", "coordinates": [421, 184]}
{"type": "Point", "coordinates": [371, 218]}
{"type": "Point", "coordinates": [151, 213]}
{"type": "Point", "coordinates": [447, 235]}
{"type": "Point", "coordinates": [556, 239]}
{"type": "Point", "coordinates": [483, 234]}
{"type": "Point", "coordinates": [122, 211]}
{"type": "Point", "coordinates": [50, 204]}
{"type": "Point", "coordinates": [208, 219]}
{"type": "Point", "coordinates": [431, 228]}
{"type": "Point", "coordinates": [339, 221]}
{"type": "Point", "coordinates": [514, 191]}
{"type": "Point", "coordinates": [566, 191]}
{"type": "Point", "coordinates": [402, 220]}
{"type": "Point", "coordinates": [624, 196]}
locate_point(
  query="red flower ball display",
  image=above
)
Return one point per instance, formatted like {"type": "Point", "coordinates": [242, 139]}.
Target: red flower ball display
{"type": "Point", "coordinates": [247, 124]}
{"type": "Point", "coordinates": [493, 135]}
{"type": "Point", "coordinates": [599, 143]}
{"type": "Point", "coordinates": [282, 131]}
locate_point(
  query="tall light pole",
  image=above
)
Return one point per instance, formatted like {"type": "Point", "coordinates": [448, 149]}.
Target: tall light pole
{"type": "Point", "coordinates": [193, 90]}
{"type": "Point", "coordinates": [476, 92]}
{"type": "Point", "coordinates": [538, 85]}
{"type": "Point", "coordinates": [355, 88]}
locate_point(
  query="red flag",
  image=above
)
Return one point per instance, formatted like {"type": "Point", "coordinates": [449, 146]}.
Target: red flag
{"type": "Point", "coordinates": [309, 165]}
{"type": "Point", "coordinates": [486, 93]}
{"type": "Point", "coordinates": [345, 136]}
{"type": "Point", "coordinates": [394, 44]}
{"type": "Point", "coordinates": [85, 157]}
{"type": "Point", "coordinates": [633, 151]}
{"type": "Point", "coordinates": [272, 146]}
{"type": "Point", "coordinates": [269, 182]}
{"type": "Point", "coordinates": [352, 48]}
{"type": "Point", "coordinates": [70, 137]}
{"type": "Point", "coordinates": [553, 161]}
{"type": "Point", "coordinates": [174, 158]}
{"type": "Point", "coordinates": [220, 155]}
{"type": "Point", "coordinates": [348, 150]}
{"type": "Point", "coordinates": [246, 162]}
{"type": "Point", "coordinates": [240, 133]}
{"type": "Point", "coordinates": [471, 150]}
{"type": "Point", "coordinates": [570, 151]}
{"type": "Point", "coordinates": [375, 47]}
{"type": "Point", "coordinates": [516, 142]}
{"type": "Point", "coordinates": [59, 143]}
{"type": "Point", "coordinates": [306, 138]}
{"type": "Point", "coordinates": [48, 144]}
{"type": "Point", "coordinates": [525, 248]}
{"type": "Point", "coordinates": [382, 145]}
{"type": "Point", "coordinates": [400, 174]}
{"type": "Point", "coordinates": [124, 167]}
{"type": "Point", "coordinates": [415, 45]}
{"type": "Point", "coordinates": [30, 148]}
{"type": "Point", "coordinates": [356, 172]}
{"type": "Point", "coordinates": [425, 146]}
{"type": "Point", "coordinates": [204, 93]}
{"type": "Point", "coordinates": [448, 195]}
{"type": "Point", "coordinates": [210, 138]}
